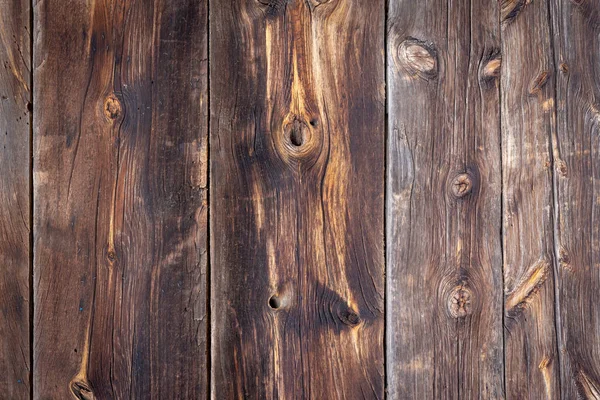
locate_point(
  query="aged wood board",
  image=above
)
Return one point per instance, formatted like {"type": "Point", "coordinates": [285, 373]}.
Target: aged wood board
{"type": "Point", "coordinates": [316, 199]}
{"type": "Point", "coordinates": [297, 166]}
{"type": "Point", "coordinates": [15, 199]}
{"type": "Point", "coordinates": [120, 190]}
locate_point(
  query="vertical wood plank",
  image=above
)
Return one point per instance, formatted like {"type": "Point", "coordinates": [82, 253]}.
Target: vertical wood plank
{"type": "Point", "coordinates": [575, 33]}
{"type": "Point", "coordinates": [15, 102]}
{"type": "Point", "coordinates": [297, 171]}
{"type": "Point", "coordinates": [120, 181]}
{"type": "Point", "coordinates": [444, 259]}
{"type": "Point", "coordinates": [532, 359]}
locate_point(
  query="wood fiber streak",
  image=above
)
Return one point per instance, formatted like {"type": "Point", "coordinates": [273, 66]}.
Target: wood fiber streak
{"type": "Point", "coordinates": [576, 153]}
{"type": "Point", "coordinates": [444, 258]}
{"type": "Point", "coordinates": [15, 164]}
{"type": "Point", "coordinates": [297, 188]}
{"type": "Point", "coordinates": [527, 80]}
{"type": "Point", "coordinates": [120, 181]}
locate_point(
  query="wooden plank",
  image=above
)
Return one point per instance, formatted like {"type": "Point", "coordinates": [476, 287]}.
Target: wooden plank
{"type": "Point", "coordinates": [532, 359]}
{"type": "Point", "coordinates": [444, 259]}
{"type": "Point", "coordinates": [120, 146]}
{"type": "Point", "coordinates": [297, 171]}
{"type": "Point", "coordinates": [15, 201]}
{"type": "Point", "coordinates": [576, 45]}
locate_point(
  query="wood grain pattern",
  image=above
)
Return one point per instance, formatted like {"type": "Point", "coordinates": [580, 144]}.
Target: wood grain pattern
{"type": "Point", "coordinates": [297, 188]}
{"type": "Point", "coordinates": [15, 164]}
{"type": "Point", "coordinates": [532, 358]}
{"type": "Point", "coordinates": [444, 259]}
{"type": "Point", "coordinates": [574, 31]}
{"type": "Point", "coordinates": [120, 181]}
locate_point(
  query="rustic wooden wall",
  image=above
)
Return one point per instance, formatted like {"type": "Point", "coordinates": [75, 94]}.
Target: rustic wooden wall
{"type": "Point", "coordinates": [299, 199]}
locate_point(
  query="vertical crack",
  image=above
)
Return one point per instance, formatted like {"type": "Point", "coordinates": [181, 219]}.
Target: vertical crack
{"type": "Point", "coordinates": [385, 196]}
{"type": "Point", "coordinates": [31, 201]}
{"type": "Point", "coordinates": [502, 199]}
{"type": "Point", "coordinates": [208, 242]}
{"type": "Point", "coordinates": [555, 208]}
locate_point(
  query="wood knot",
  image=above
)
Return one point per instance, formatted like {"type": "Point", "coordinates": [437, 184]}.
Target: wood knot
{"type": "Point", "coordinates": [563, 258]}
{"type": "Point", "coordinates": [561, 168]}
{"type": "Point", "coordinates": [273, 8]}
{"type": "Point", "coordinates": [112, 107]}
{"type": "Point", "coordinates": [418, 58]}
{"type": "Point", "coordinates": [82, 390]}
{"type": "Point", "coordinates": [491, 68]}
{"type": "Point", "coordinates": [349, 317]}
{"type": "Point", "coordinates": [296, 134]}
{"type": "Point", "coordinates": [564, 68]}
{"type": "Point", "coordinates": [461, 185]}
{"type": "Point", "coordinates": [299, 142]}
{"type": "Point", "coordinates": [111, 255]}
{"type": "Point", "coordinates": [539, 82]}
{"type": "Point", "coordinates": [459, 302]}
{"type": "Point", "coordinates": [509, 9]}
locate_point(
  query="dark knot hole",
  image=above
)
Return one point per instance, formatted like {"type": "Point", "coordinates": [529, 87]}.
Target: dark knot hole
{"type": "Point", "coordinates": [274, 302]}
{"type": "Point", "coordinates": [296, 136]}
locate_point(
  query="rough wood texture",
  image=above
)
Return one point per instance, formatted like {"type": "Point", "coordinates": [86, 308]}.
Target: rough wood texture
{"type": "Point", "coordinates": [120, 199]}
{"type": "Point", "coordinates": [297, 188]}
{"type": "Point", "coordinates": [15, 103]}
{"type": "Point", "coordinates": [532, 359]}
{"type": "Point", "coordinates": [575, 31]}
{"type": "Point", "coordinates": [444, 297]}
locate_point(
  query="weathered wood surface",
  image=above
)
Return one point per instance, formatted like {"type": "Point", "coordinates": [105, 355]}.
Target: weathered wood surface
{"type": "Point", "coordinates": [575, 32]}
{"type": "Point", "coordinates": [527, 79]}
{"type": "Point", "coordinates": [120, 176]}
{"type": "Point", "coordinates": [444, 259]}
{"type": "Point", "coordinates": [15, 202]}
{"type": "Point", "coordinates": [297, 190]}
{"type": "Point", "coordinates": [488, 174]}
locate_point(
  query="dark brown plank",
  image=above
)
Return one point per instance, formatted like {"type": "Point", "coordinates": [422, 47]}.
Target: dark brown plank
{"type": "Point", "coordinates": [15, 102]}
{"type": "Point", "coordinates": [120, 136]}
{"type": "Point", "coordinates": [297, 171]}
{"type": "Point", "coordinates": [575, 30]}
{"type": "Point", "coordinates": [532, 359]}
{"type": "Point", "coordinates": [444, 259]}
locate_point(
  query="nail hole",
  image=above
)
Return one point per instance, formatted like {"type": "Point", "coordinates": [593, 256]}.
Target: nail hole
{"type": "Point", "coordinates": [314, 122]}
{"type": "Point", "coordinates": [274, 302]}
{"type": "Point", "coordinates": [296, 137]}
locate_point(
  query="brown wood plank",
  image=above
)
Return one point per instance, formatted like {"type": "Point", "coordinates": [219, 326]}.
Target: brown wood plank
{"type": "Point", "coordinates": [532, 359]}
{"type": "Point", "coordinates": [575, 32]}
{"type": "Point", "coordinates": [15, 164]}
{"type": "Point", "coordinates": [444, 259]}
{"type": "Point", "coordinates": [120, 146]}
{"type": "Point", "coordinates": [297, 188]}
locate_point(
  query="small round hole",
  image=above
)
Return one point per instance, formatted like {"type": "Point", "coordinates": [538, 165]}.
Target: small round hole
{"type": "Point", "coordinates": [314, 122]}
{"type": "Point", "coordinates": [274, 302]}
